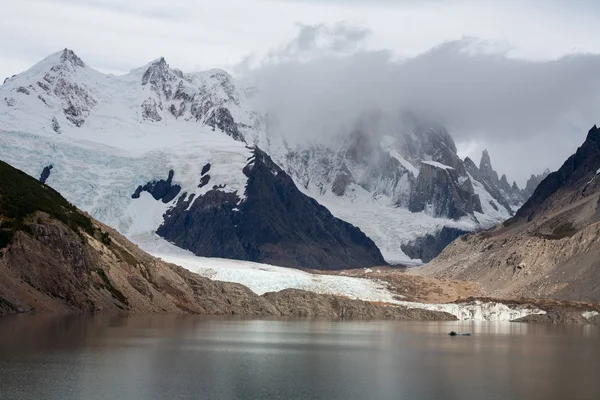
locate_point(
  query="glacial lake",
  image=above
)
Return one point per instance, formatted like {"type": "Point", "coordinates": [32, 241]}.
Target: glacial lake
{"type": "Point", "coordinates": [192, 357]}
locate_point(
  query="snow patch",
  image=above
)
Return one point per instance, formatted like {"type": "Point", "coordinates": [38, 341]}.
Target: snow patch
{"type": "Point", "coordinates": [263, 278]}
{"type": "Point", "coordinates": [437, 165]}
{"type": "Point", "coordinates": [589, 314]}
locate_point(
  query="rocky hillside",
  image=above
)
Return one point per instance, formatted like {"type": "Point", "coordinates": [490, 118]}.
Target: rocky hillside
{"type": "Point", "coordinates": [550, 248]}
{"type": "Point", "coordinates": [53, 258]}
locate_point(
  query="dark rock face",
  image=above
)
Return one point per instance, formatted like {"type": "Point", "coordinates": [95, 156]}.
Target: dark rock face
{"type": "Point", "coordinates": [427, 247]}
{"type": "Point", "coordinates": [204, 181]}
{"type": "Point", "coordinates": [221, 118]}
{"type": "Point", "coordinates": [163, 190]}
{"type": "Point", "coordinates": [534, 182]}
{"type": "Point", "coordinates": [55, 125]}
{"type": "Point", "coordinates": [76, 99]}
{"type": "Point", "coordinates": [208, 228]}
{"type": "Point", "coordinates": [174, 96]}
{"type": "Point", "coordinates": [509, 196]}
{"type": "Point", "coordinates": [205, 169]}
{"type": "Point", "coordinates": [150, 110]}
{"type": "Point", "coordinates": [487, 171]}
{"type": "Point", "coordinates": [159, 77]}
{"type": "Point", "coordinates": [440, 191]}
{"type": "Point", "coordinates": [45, 173]}
{"type": "Point", "coordinates": [575, 179]}
{"type": "Point", "coordinates": [342, 181]}
{"type": "Point", "coordinates": [489, 186]}
{"type": "Point", "coordinates": [275, 223]}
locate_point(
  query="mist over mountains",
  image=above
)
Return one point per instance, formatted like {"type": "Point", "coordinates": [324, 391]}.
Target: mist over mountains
{"type": "Point", "coordinates": [528, 114]}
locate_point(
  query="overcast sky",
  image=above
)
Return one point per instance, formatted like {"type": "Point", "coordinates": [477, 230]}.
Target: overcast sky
{"type": "Point", "coordinates": [494, 71]}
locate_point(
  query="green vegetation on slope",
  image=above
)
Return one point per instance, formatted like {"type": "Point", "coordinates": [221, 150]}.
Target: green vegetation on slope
{"type": "Point", "coordinates": [22, 196]}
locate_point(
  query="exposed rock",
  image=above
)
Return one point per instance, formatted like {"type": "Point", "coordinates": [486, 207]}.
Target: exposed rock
{"type": "Point", "coordinates": [341, 182]}
{"type": "Point", "coordinates": [574, 180]}
{"type": "Point", "coordinates": [74, 115]}
{"type": "Point", "coordinates": [491, 187]}
{"type": "Point", "coordinates": [55, 125]}
{"type": "Point", "coordinates": [487, 171]}
{"type": "Point", "coordinates": [69, 56]}
{"type": "Point", "coordinates": [427, 247]}
{"type": "Point", "coordinates": [549, 249]}
{"type": "Point", "coordinates": [162, 189]}
{"type": "Point", "coordinates": [221, 118]}
{"type": "Point", "coordinates": [533, 182]}
{"type": "Point", "coordinates": [204, 181]}
{"type": "Point", "coordinates": [275, 224]}
{"type": "Point", "coordinates": [300, 303]}
{"type": "Point", "coordinates": [150, 110]}
{"type": "Point", "coordinates": [45, 173]}
{"type": "Point", "coordinates": [205, 169]}
{"type": "Point", "coordinates": [555, 317]}
{"type": "Point", "coordinates": [159, 77]}
{"type": "Point", "coordinates": [439, 191]}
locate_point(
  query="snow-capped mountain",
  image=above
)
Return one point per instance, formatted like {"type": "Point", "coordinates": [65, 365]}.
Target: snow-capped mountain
{"type": "Point", "coordinates": [62, 93]}
{"type": "Point", "coordinates": [401, 181]}
{"type": "Point", "coordinates": [159, 150]}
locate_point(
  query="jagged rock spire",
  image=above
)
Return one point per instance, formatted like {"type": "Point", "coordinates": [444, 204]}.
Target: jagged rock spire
{"type": "Point", "coordinates": [487, 171]}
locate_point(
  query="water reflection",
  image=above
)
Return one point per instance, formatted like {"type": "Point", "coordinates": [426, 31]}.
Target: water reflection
{"type": "Point", "coordinates": [181, 357]}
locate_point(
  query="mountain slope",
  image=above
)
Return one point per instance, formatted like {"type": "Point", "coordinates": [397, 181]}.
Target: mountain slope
{"type": "Point", "coordinates": [53, 258]}
{"type": "Point", "coordinates": [400, 180]}
{"type": "Point", "coordinates": [276, 224]}
{"type": "Point", "coordinates": [550, 248]}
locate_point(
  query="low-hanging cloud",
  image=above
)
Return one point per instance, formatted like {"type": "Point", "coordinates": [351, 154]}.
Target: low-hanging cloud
{"type": "Point", "coordinates": [324, 79]}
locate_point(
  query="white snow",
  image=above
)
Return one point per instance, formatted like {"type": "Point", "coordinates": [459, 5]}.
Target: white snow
{"type": "Point", "coordinates": [594, 177]}
{"type": "Point", "coordinates": [490, 216]}
{"type": "Point", "coordinates": [387, 143]}
{"type": "Point", "coordinates": [589, 314]}
{"type": "Point", "coordinates": [263, 278]}
{"type": "Point", "coordinates": [387, 225]}
{"type": "Point", "coordinates": [100, 179]}
{"type": "Point", "coordinates": [437, 164]}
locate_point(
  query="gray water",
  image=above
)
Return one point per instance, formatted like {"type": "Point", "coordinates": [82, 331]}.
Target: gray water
{"type": "Point", "coordinates": [189, 357]}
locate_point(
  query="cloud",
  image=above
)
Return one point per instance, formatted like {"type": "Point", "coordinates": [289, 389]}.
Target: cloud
{"type": "Point", "coordinates": [118, 35]}
{"type": "Point", "coordinates": [316, 40]}
{"type": "Point", "coordinates": [538, 110]}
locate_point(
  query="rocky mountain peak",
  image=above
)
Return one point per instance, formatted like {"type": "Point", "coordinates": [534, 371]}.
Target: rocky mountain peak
{"type": "Point", "coordinates": [485, 166]}
{"type": "Point", "coordinates": [504, 185]}
{"type": "Point", "coordinates": [575, 180]}
{"type": "Point", "coordinates": [157, 74]}
{"type": "Point", "coordinates": [593, 136]}
{"type": "Point", "coordinates": [68, 56]}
